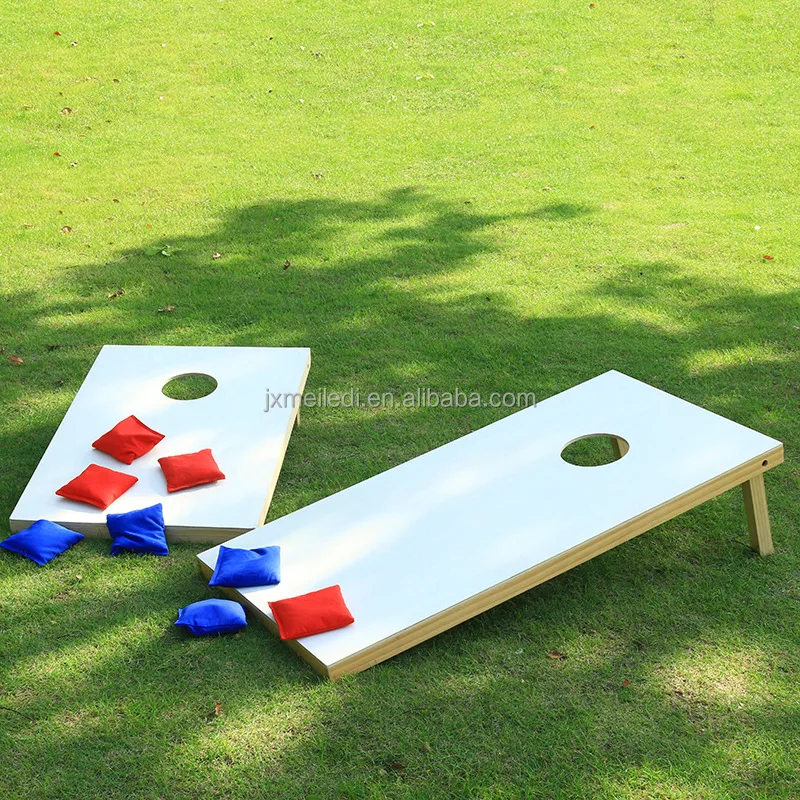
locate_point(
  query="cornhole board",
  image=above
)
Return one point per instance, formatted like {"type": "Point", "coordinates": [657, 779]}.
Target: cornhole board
{"type": "Point", "coordinates": [445, 536]}
{"type": "Point", "coordinates": [247, 441]}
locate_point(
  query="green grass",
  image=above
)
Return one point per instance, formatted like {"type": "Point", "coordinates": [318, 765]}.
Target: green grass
{"type": "Point", "coordinates": [515, 198]}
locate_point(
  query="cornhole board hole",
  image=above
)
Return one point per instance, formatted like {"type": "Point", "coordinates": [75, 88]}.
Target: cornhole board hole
{"type": "Point", "coordinates": [447, 535]}
{"type": "Point", "coordinates": [247, 441]}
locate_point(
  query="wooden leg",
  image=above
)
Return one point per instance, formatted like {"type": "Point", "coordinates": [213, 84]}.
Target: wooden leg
{"type": "Point", "coordinates": [620, 447]}
{"type": "Point", "coordinates": [755, 506]}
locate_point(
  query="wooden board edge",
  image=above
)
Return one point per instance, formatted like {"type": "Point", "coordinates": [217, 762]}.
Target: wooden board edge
{"type": "Point", "coordinates": [267, 621]}
{"type": "Point", "coordinates": [174, 533]}
{"type": "Point", "coordinates": [461, 612]}
{"type": "Point", "coordinates": [293, 421]}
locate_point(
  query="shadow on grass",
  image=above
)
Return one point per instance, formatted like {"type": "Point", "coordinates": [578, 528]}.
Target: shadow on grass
{"type": "Point", "coordinates": [483, 706]}
{"type": "Point", "coordinates": [124, 703]}
{"type": "Point", "coordinates": [556, 212]}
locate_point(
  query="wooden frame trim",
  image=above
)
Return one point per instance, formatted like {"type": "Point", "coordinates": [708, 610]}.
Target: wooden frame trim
{"type": "Point", "coordinates": [294, 422]}
{"type": "Point", "coordinates": [267, 621]}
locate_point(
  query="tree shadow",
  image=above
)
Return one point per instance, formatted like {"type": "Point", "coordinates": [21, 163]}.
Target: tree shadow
{"type": "Point", "coordinates": [407, 306]}
{"type": "Point", "coordinates": [557, 212]}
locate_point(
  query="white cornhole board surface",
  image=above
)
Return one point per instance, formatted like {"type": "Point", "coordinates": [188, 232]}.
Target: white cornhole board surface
{"type": "Point", "coordinates": [442, 537]}
{"type": "Point", "coordinates": [247, 441]}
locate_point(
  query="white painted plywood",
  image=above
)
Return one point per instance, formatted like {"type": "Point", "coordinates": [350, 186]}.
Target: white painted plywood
{"type": "Point", "coordinates": [248, 442]}
{"type": "Point", "coordinates": [412, 542]}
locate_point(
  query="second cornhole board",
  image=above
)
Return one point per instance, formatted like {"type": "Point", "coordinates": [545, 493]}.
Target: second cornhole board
{"type": "Point", "coordinates": [247, 441]}
{"type": "Point", "coordinates": [447, 535]}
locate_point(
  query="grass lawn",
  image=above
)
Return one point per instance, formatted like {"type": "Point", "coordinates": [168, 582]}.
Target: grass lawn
{"type": "Point", "coordinates": [499, 196]}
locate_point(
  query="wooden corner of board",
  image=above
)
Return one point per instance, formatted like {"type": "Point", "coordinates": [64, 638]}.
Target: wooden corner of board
{"type": "Point", "coordinates": [269, 623]}
{"type": "Point", "coordinates": [312, 661]}
{"type": "Point", "coordinates": [773, 458]}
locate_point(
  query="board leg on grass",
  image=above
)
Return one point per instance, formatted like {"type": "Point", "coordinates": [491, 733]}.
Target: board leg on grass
{"type": "Point", "coordinates": [755, 506]}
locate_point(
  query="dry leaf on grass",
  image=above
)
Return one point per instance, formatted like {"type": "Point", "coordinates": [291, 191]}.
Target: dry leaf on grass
{"type": "Point", "coordinates": [118, 293]}
{"type": "Point", "coordinates": [15, 361]}
{"type": "Point", "coordinates": [166, 309]}
{"type": "Point", "coordinates": [557, 655]}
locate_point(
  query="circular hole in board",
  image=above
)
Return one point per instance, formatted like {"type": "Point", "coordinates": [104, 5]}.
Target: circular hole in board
{"type": "Point", "coordinates": [191, 386]}
{"type": "Point", "coordinates": [595, 450]}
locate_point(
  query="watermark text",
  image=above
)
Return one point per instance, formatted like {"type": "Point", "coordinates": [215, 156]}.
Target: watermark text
{"type": "Point", "coordinates": [421, 397]}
